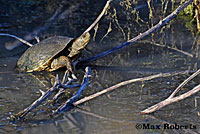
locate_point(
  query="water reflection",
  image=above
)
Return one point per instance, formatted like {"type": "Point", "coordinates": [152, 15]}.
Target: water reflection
{"type": "Point", "coordinates": [67, 123]}
{"type": "Point", "coordinates": [115, 112]}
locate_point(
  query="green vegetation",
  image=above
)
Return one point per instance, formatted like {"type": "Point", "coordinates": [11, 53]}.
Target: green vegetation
{"type": "Point", "coordinates": [188, 16]}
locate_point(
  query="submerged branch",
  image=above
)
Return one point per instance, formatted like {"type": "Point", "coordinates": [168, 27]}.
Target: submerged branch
{"type": "Point", "coordinates": [168, 47]}
{"type": "Point", "coordinates": [37, 102]}
{"type": "Point", "coordinates": [69, 103]}
{"type": "Point", "coordinates": [43, 97]}
{"type": "Point", "coordinates": [126, 83]}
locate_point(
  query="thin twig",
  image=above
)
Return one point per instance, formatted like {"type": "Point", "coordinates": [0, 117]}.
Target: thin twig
{"type": "Point", "coordinates": [99, 17]}
{"type": "Point", "coordinates": [20, 39]}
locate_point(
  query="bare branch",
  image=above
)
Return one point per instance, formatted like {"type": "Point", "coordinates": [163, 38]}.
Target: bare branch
{"type": "Point", "coordinates": [170, 100]}
{"type": "Point", "coordinates": [99, 17]}
{"type": "Point", "coordinates": [20, 39]}
{"type": "Point", "coordinates": [184, 82]}
{"type": "Point", "coordinates": [125, 83]}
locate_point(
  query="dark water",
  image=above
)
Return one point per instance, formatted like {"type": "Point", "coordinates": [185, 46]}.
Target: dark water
{"type": "Point", "coordinates": [114, 112]}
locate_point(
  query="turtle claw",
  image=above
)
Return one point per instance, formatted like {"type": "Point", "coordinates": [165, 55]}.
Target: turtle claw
{"type": "Point", "coordinates": [68, 76]}
{"type": "Point", "coordinates": [74, 76]}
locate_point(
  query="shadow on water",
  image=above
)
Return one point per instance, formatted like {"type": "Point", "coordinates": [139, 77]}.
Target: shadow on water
{"type": "Point", "coordinates": [117, 111]}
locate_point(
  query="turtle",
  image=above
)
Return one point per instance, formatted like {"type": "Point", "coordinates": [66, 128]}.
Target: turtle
{"type": "Point", "coordinates": [52, 53]}
{"type": "Point", "coordinates": [56, 52]}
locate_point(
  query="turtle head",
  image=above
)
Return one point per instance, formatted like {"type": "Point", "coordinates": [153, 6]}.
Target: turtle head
{"type": "Point", "coordinates": [79, 43]}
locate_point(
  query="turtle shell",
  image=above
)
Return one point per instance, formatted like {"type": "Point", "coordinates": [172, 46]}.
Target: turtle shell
{"type": "Point", "coordinates": [39, 56]}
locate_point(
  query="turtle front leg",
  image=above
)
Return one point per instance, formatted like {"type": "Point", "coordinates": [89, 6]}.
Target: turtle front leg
{"type": "Point", "coordinates": [62, 61]}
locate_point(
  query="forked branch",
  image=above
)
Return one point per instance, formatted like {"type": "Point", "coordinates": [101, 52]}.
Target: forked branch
{"type": "Point", "coordinates": [171, 98]}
